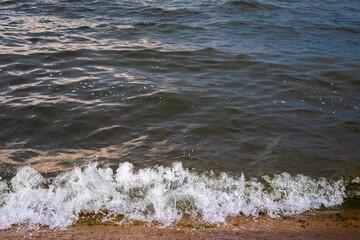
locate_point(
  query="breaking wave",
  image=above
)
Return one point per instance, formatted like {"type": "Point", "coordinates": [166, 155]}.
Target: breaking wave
{"type": "Point", "coordinates": [160, 194]}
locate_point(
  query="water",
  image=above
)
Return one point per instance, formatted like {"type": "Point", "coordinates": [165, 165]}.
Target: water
{"type": "Point", "coordinates": [247, 88]}
{"type": "Point", "coordinates": [160, 194]}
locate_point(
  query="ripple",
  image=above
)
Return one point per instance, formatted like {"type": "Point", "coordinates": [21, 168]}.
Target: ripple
{"type": "Point", "coordinates": [232, 85]}
{"type": "Point", "coordinates": [250, 5]}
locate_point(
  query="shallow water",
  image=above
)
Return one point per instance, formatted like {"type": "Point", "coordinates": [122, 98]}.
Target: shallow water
{"type": "Point", "coordinates": [253, 87]}
{"type": "Point", "coordinates": [162, 195]}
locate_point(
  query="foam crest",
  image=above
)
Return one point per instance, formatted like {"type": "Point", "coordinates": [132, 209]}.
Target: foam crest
{"type": "Point", "coordinates": [161, 194]}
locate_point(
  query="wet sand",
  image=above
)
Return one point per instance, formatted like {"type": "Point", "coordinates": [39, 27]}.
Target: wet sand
{"type": "Point", "coordinates": [309, 225]}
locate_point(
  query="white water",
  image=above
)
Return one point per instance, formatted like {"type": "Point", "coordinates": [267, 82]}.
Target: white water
{"type": "Point", "coordinates": [159, 194]}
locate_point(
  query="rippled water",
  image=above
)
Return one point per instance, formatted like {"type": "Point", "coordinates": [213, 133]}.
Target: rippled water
{"type": "Point", "coordinates": [255, 87]}
{"type": "Point", "coordinates": [249, 86]}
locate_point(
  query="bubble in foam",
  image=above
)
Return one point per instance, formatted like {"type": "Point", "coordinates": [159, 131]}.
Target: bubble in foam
{"type": "Point", "coordinates": [161, 194]}
{"type": "Point", "coordinates": [356, 180]}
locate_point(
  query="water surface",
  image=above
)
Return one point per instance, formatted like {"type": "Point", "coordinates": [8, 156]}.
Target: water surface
{"type": "Point", "coordinates": [255, 87]}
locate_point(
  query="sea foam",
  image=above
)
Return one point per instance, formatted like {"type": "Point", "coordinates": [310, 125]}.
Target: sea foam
{"type": "Point", "coordinates": [161, 194]}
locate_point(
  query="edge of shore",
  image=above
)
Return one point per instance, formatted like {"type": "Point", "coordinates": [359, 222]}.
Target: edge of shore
{"type": "Point", "coordinates": [308, 225]}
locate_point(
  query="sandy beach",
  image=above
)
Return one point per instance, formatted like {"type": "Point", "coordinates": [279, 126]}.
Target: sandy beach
{"type": "Point", "coordinates": [309, 225]}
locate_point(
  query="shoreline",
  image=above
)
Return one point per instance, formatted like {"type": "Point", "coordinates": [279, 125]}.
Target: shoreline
{"type": "Point", "coordinates": [328, 224]}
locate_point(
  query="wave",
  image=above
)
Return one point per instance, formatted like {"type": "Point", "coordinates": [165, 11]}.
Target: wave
{"type": "Point", "coordinates": [161, 194]}
{"type": "Point", "coordinates": [167, 27]}
{"type": "Point", "coordinates": [156, 11]}
{"type": "Point", "coordinates": [250, 5]}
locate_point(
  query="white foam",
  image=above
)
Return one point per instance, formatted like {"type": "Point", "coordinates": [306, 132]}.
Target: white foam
{"type": "Point", "coordinates": [160, 194]}
{"type": "Point", "coordinates": [356, 180]}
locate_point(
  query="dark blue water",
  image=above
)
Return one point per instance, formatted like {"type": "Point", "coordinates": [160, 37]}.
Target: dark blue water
{"type": "Point", "coordinates": [259, 87]}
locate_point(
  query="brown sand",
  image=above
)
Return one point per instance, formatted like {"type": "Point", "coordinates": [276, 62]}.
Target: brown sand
{"type": "Point", "coordinates": [309, 225]}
